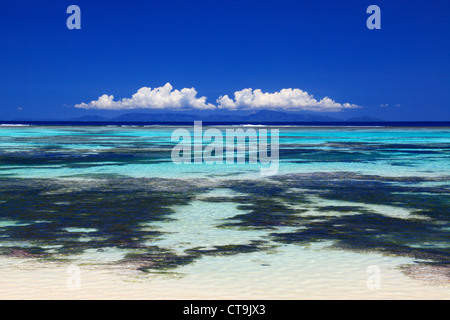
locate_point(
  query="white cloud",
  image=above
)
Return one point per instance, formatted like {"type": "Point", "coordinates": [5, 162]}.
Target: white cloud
{"type": "Point", "coordinates": [147, 98]}
{"type": "Point", "coordinates": [167, 98]}
{"type": "Point", "coordinates": [286, 99]}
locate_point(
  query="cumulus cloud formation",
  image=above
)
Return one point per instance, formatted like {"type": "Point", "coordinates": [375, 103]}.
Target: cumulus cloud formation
{"type": "Point", "coordinates": [147, 98]}
{"type": "Point", "coordinates": [286, 99]}
{"type": "Point", "coordinates": [167, 98]}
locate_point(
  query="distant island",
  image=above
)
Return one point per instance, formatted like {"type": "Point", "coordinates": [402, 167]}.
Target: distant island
{"type": "Point", "coordinates": [255, 117]}
{"type": "Point", "coordinates": [259, 116]}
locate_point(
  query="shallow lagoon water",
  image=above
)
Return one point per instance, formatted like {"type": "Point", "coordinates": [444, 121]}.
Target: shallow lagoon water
{"type": "Point", "coordinates": [343, 199]}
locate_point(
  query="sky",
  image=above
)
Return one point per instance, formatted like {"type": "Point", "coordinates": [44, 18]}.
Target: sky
{"type": "Point", "coordinates": [222, 56]}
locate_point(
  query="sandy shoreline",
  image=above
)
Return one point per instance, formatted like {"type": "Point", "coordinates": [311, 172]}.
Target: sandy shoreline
{"type": "Point", "coordinates": [346, 277]}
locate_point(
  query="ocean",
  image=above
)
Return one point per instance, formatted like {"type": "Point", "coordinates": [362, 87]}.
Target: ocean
{"type": "Point", "coordinates": [346, 199]}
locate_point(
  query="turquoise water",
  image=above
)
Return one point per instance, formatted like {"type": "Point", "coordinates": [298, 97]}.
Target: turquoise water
{"type": "Point", "coordinates": [113, 195]}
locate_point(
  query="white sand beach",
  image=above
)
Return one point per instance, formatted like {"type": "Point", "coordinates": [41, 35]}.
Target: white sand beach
{"type": "Point", "coordinates": [310, 274]}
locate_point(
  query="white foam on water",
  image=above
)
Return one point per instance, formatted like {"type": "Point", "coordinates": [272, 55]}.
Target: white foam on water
{"type": "Point", "coordinates": [80, 230]}
{"type": "Point", "coordinates": [11, 223]}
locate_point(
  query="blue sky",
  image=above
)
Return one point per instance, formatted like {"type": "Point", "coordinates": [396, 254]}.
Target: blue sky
{"type": "Point", "coordinates": [323, 48]}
